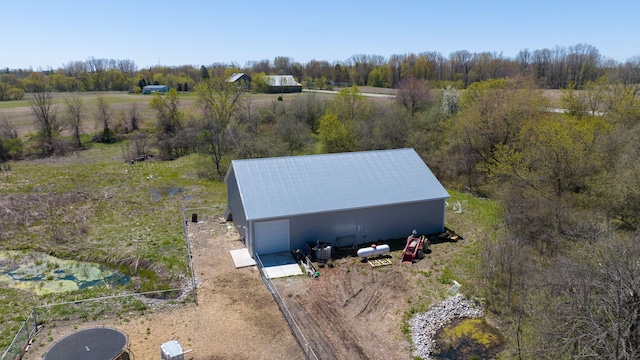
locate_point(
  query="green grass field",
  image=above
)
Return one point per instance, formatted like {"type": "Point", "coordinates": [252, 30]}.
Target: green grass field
{"type": "Point", "coordinates": [95, 206]}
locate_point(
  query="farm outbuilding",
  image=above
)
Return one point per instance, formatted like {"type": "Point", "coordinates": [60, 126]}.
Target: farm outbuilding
{"type": "Point", "coordinates": [241, 79]}
{"type": "Point", "coordinates": [346, 199]}
{"type": "Point", "coordinates": [282, 84]}
{"type": "Point", "coordinates": [150, 89]}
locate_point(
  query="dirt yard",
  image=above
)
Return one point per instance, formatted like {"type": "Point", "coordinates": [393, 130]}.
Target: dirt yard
{"type": "Point", "coordinates": [351, 311]}
{"type": "Point", "coordinates": [355, 311]}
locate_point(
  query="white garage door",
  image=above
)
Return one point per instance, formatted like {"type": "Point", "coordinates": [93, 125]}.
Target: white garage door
{"type": "Point", "coordinates": [271, 236]}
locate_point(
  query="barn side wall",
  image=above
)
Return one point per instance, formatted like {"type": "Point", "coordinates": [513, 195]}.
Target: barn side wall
{"type": "Point", "coordinates": [234, 202]}
{"type": "Point", "coordinates": [284, 89]}
{"type": "Point", "coordinates": [344, 228]}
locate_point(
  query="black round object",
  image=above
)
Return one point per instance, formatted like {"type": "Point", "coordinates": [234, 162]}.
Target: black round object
{"type": "Point", "coordinates": [89, 344]}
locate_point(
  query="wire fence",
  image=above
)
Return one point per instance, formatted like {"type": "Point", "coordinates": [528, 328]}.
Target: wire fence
{"type": "Point", "coordinates": [211, 213]}
{"type": "Point", "coordinates": [188, 243]}
{"type": "Point", "coordinates": [20, 342]}
{"type": "Point", "coordinates": [295, 329]}
{"type": "Point", "coordinates": [120, 306]}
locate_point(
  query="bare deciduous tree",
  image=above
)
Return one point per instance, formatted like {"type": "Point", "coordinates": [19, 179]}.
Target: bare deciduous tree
{"type": "Point", "coordinates": [134, 117]}
{"type": "Point", "coordinates": [104, 116]}
{"type": "Point", "coordinates": [414, 94]}
{"type": "Point", "coordinates": [508, 268]}
{"type": "Point", "coordinates": [45, 118]}
{"type": "Point", "coordinates": [595, 312]}
{"type": "Point", "coordinates": [8, 136]}
{"type": "Point", "coordinates": [75, 108]}
{"type": "Point", "coordinates": [308, 109]}
{"type": "Point", "coordinates": [170, 120]}
{"type": "Point", "coordinates": [390, 130]}
{"type": "Point", "coordinates": [220, 103]}
{"type": "Point", "coordinates": [294, 133]}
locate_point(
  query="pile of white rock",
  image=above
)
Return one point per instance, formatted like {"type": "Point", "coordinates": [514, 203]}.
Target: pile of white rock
{"type": "Point", "coordinates": [425, 325]}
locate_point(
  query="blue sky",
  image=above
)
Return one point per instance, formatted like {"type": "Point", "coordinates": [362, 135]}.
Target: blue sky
{"type": "Point", "coordinates": [42, 34]}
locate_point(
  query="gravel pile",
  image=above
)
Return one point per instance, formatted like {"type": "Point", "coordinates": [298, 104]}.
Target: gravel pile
{"type": "Point", "coordinates": [425, 325]}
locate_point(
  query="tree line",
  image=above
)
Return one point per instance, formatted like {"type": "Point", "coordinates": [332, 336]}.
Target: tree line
{"type": "Point", "coordinates": [557, 68]}
{"type": "Point", "coordinates": [561, 272]}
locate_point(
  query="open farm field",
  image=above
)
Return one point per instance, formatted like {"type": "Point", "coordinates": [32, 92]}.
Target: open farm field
{"type": "Point", "coordinates": [19, 113]}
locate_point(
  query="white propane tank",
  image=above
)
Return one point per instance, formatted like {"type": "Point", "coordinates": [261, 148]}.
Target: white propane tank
{"type": "Point", "coordinates": [373, 250]}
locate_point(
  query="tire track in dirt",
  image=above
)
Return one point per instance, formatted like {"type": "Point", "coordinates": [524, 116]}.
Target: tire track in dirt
{"type": "Point", "coordinates": [345, 313]}
{"type": "Point", "coordinates": [342, 341]}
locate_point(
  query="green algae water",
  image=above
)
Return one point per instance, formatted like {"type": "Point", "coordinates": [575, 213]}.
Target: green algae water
{"type": "Point", "coordinates": [44, 274]}
{"type": "Point", "coordinates": [468, 339]}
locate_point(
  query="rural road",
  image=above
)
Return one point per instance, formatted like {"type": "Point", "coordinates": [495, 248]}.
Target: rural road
{"type": "Point", "coordinates": [363, 94]}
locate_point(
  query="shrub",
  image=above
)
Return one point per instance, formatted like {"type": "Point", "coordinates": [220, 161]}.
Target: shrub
{"type": "Point", "coordinates": [107, 136]}
{"type": "Point", "coordinates": [11, 149]}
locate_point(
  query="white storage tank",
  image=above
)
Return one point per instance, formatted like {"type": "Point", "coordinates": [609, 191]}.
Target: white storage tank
{"type": "Point", "coordinates": [373, 250]}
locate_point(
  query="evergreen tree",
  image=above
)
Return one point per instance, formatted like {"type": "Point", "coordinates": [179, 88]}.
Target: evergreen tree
{"type": "Point", "coordinates": [204, 73]}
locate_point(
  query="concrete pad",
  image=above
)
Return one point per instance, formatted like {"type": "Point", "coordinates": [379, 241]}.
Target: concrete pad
{"type": "Point", "coordinates": [291, 269]}
{"type": "Point", "coordinates": [241, 258]}
{"type": "Point", "coordinates": [273, 272]}
{"type": "Point", "coordinates": [280, 265]}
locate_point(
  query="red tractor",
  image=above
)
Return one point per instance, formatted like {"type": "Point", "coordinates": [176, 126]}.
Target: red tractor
{"type": "Point", "coordinates": [415, 248]}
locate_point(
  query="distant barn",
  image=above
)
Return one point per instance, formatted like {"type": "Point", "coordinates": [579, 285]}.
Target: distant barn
{"type": "Point", "coordinates": [241, 79]}
{"type": "Point", "coordinates": [281, 204]}
{"type": "Point", "coordinates": [282, 84]}
{"type": "Point", "coordinates": [150, 89]}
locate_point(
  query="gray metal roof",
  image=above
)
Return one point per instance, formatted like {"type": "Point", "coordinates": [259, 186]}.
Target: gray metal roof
{"type": "Point", "coordinates": [286, 186]}
{"type": "Point", "coordinates": [155, 86]}
{"type": "Point", "coordinates": [235, 77]}
{"type": "Point", "coordinates": [281, 80]}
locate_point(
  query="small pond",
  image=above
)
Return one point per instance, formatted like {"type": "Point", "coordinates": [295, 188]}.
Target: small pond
{"type": "Point", "coordinates": [45, 274]}
{"type": "Point", "coordinates": [468, 339]}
